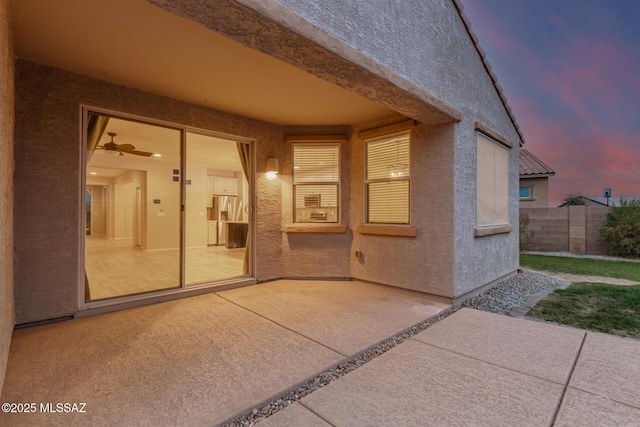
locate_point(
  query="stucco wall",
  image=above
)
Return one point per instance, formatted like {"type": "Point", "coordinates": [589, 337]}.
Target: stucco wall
{"type": "Point", "coordinates": [433, 74]}
{"type": "Point", "coordinates": [423, 263]}
{"type": "Point", "coordinates": [48, 191]}
{"type": "Point", "coordinates": [315, 255]}
{"type": "Point", "coordinates": [6, 187]}
{"type": "Point", "coordinates": [539, 192]}
{"type": "Point", "coordinates": [436, 57]}
{"type": "Point", "coordinates": [480, 260]}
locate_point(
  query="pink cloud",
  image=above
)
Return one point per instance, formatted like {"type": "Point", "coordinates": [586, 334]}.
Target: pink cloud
{"type": "Point", "coordinates": [575, 98]}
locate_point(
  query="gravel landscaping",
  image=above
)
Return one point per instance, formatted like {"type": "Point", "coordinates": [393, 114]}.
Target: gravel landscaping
{"type": "Point", "coordinates": [511, 293]}
{"type": "Point", "coordinates": [501, 299]}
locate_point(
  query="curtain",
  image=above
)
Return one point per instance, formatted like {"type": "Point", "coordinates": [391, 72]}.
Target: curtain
{"type": "Point", "coordinates": [245, 157]}
{"type": "Point", "coordinates": [95, 128]}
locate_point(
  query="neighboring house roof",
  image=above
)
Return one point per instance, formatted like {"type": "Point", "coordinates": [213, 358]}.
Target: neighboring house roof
{"type": "Point", "coordinates": [531, 166]}
{"type": "Point", "coordinates": [613, 200]}
{"type": "Point", "coordinates": [487, 66]}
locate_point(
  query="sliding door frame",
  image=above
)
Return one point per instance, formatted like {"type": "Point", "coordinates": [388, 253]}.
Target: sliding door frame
{"type": "Point", "coordinates": [126, 301]}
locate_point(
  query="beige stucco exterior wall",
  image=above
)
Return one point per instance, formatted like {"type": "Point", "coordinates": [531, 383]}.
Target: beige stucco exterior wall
{"type": "Point", "coordinates": [6, 186]}
{"type": "Point", "coordinates": [315, 255]}
{"type": "Point", "coordinates": [539, 192]}
{"type": "Point", "coordinates": [425, 262]}
{"type": "Point", "coordinates": [433, 74]}
{"type": "Point", "coordinates": [48, 192]}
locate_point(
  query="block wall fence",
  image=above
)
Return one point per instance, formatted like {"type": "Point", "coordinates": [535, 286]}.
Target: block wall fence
{"type": "Point", "coordinates": [574, 229]}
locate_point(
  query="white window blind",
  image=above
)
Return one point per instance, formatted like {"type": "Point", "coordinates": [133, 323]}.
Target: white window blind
{"type": "Point", "coordinates": [493, 182]}
{"type": "Point", "coordinates": [387, 179]}
{"type": "Point", "coordinates": [316, 182]}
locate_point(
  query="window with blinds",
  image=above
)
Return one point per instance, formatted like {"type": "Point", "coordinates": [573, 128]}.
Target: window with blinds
{"type": "Point", "coordinates": [387, 179]}
{"type": "Point", "coordinates": [493, 182]}
{"type": "Point", "coordinates": [316, 182]}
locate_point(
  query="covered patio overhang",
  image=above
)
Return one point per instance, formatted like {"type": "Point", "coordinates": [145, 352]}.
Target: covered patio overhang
{"type": "Point", "coordinates": [252, 58]}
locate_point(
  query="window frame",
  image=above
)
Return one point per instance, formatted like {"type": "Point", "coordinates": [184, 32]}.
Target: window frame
{"type": "Point", "coordinates": [530, 191]}
{"type": "Point", "coordinates": [367, 181]}
{"type": "Point", "coordinates": [496, 145]}
{"type": "Point", "coordinates": [337, 184]}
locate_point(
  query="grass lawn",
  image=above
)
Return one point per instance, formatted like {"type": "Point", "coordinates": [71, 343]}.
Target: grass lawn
{"type": "Point", "coordinates": [584, 266]}
{"type": "Point", "coordinates": [594, 306]}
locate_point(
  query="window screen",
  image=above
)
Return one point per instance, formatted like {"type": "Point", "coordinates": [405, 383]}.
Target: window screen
{"type": "Point", "coordinates": [493, 182]}
{"type": "Point", "coordinates": [316, 182]}
{"type": "Point", "coordinates": [387, 179]}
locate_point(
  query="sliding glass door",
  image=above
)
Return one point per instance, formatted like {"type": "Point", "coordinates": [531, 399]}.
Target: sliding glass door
{"type": "Point", "coordinates": [155, 223]}
{"type": "Point", "coordinates": [217, 209]}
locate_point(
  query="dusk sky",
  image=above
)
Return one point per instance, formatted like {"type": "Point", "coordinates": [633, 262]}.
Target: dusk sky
{"type": "Point", "coordinates": [570, 70]}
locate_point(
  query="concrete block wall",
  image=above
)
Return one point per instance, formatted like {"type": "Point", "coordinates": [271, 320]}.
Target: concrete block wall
{"type": "Point", "coordinates": [574, 229]}
{"type": "Point", "coordinates": [594, 220]}
{"type": "Point", "coordinates": [551, 228]}
{"type": "Point", "coordinates": [577, 229]}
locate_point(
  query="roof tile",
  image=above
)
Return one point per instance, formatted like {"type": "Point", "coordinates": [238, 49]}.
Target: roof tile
{"type": "Point", "coordinates": [531, 165]}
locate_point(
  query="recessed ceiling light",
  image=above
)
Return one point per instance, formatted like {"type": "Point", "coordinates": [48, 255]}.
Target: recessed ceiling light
{"type": "Point", "coordinates": [94, 173]}
{"type": "Point", "coordinates": [157, 155]}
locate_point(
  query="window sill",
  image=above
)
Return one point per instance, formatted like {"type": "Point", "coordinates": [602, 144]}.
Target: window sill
{"type": "Point", "coordinates": [388, 230]}
{"type": "Point", "coordinates": [491, 230]}
{"type": "Point", "coordinates": [316, 228]}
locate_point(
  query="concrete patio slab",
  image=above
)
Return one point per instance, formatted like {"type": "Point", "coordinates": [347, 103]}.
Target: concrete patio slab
{"type": "Point", "coordinates": [587, 410]}
{"type": "Point", "coordinates": [418, 384]}
{"type": "Point", "coordinates": [191, 362]}
{"type": "Point", "coordinates": [545, 351]}
{"type": "Point", "coordinates": [294, 415]}
{"type": "Point", "coordinates": [609, 366]}
{"type": "Point", "coordinates": [347, 316]}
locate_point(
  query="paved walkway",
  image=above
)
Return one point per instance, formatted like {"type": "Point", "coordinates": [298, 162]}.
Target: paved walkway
{"type": "Point", "coordinates": [205, 360]}
{"type": "Point", "coordinates": [582, 278]}
{"type": "Point", "coordinates": [480, 369]}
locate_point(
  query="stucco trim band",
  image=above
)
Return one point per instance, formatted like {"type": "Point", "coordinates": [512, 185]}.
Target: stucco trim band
{"type": "Point", "coordinates": [273, 29]}
{"type": "Point", "coordinates": [493, 134]}
{"type": "Point", "coordinates": [388, 230]}
{"type": "Point", "coordinates": [315, 138]}
{"type": "Point", "coordinates": [388, 129]}
{"type": "Point", "coordinates": [494, 229]}
{"type": "Point", "coordinates": [316, 228]}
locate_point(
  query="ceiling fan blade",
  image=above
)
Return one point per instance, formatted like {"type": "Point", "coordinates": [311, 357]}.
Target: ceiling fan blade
{"type": "Point", "coordinates": [138, 153]}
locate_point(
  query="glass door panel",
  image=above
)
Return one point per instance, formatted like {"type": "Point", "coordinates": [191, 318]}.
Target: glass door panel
{"type": "Point", "coordinates": [216, 211]}
{"type": "Point", "coordinates": [133, 243]}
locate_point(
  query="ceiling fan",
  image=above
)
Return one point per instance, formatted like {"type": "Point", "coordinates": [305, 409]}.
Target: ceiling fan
{"type": "Point", "coordinates": [112, 147]}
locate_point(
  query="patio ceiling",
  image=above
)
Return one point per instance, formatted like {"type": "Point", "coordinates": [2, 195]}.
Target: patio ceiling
{"type": "Point", "coordinates": [133, 43]}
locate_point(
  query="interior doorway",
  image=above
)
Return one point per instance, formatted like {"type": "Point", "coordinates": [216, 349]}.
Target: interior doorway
{"type": "Point", "coordinates": [170, 197]}
{"type": "Point", "coordinates": [87, 205]}
{"type": "Point", "coordinates": [137, 218]}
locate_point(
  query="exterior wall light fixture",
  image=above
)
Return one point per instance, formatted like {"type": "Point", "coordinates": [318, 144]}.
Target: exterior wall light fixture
{"type": "Point", "coordinates": [272, 167]}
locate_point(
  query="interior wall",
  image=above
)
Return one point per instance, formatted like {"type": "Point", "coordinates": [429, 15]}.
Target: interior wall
{"type": "Point", "coordinates": [98, 219]}
{"type": "Point", "coordinates": [47, 248]}
{"type": "Point", "coordinates": [6, 187]}
{"type": "Point", "coordinates": [196, 210]}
